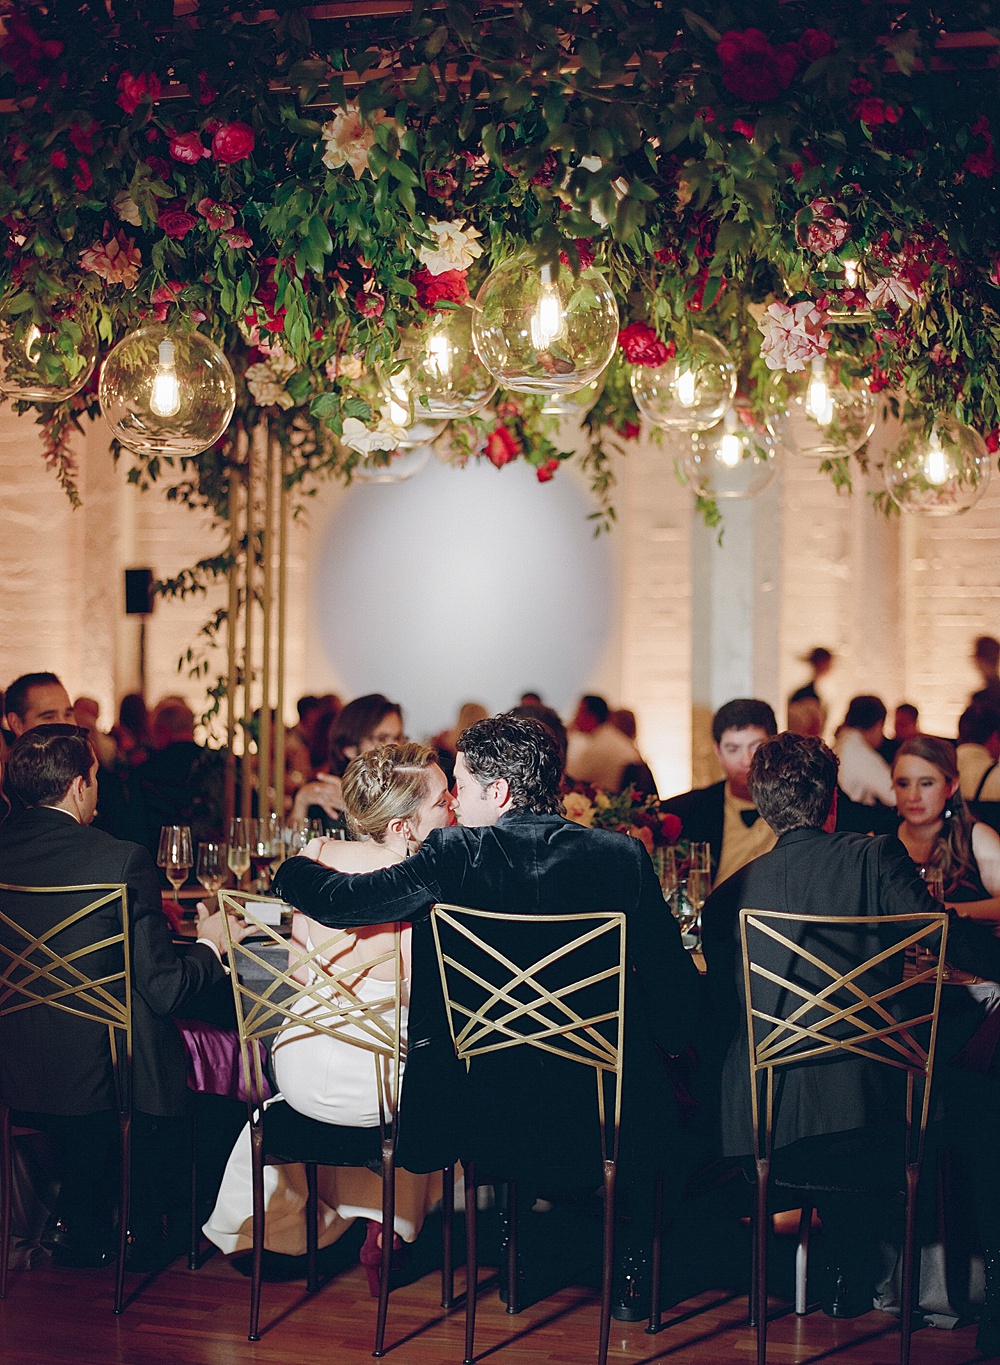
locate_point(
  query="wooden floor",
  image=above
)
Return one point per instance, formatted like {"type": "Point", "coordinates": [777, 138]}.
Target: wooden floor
{"type": "Point", "coordinates": [183, 1317]}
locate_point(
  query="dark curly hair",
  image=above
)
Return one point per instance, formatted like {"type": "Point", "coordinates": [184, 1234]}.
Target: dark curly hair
{"type": "Point", "coordinates": [525, 752]}
{"type": "Point", "coordinates": [792, 781]}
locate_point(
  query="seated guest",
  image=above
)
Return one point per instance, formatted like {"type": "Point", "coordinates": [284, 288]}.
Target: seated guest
{"type": "Point", "coordinates": [55, 1068]}
{"type": "Point", "coordinates": [978, 753]}
{"type": "Point", "coordinates": [805, 717]}
{"type": "Point", "coordinates": [469, 712]}
{"type": "Point", "coordinates": [516, 854]}
{"type": "Point", "coordinates": [131, 734]}
{"type": "Point", "coordinates": [87, 712]}
{"type": "Point", "coordinates": [363, 724]}
{"type": "Point", "coordinates": [864, 773]}
{"type": "Point", "coordinates": [813, 871]}
{"type": "Point", "coordinates": [597, 751]}
{"type": "Point", "coordinates": [547, 717]}
{"type": "Point", "coordinates": [180, 782]}
{"type": "Point", "coordinates": [723, 815]}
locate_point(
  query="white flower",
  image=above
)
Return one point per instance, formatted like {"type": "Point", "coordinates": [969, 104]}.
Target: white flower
{"type": "Point", "coordinates": [386, 436]}
{"type": "Point", "coordinates": [347, 140]}
{"type": "Point", "coordinates": [266, 389]}
{"type": "Point", "coordinates": [893, 289]}
{"type": "Point", "coordinates": [345, 367]}
{"type": "Point", "coordinates": [794, 336]}
{"type": "Point", "coordinates": [455, 246]}
{"type": "Point", "coordinates": [126, 208]}
{"type": "Point", "coordinates": [280, 364]}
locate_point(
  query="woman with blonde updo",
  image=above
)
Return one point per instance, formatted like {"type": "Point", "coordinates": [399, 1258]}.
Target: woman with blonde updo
{"type": "Point", "coordinates": [393, 795]}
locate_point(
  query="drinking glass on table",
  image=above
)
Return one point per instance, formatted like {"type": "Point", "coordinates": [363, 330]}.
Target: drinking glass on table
{"type": "Point", "coordinates": [665, 865]}
{"type": "Point", "coordinates": [699, 884]}
{"type": "Point", "coordinates": [211, 868]}
{"type": "Point", "coordinates": [242, 835]}
{"type": "Point", "coordinates": [265, 849]}
{"type": "Point", "coordinates": [933, 878]}
{"type": "Point", "coordinates": [174, 856]}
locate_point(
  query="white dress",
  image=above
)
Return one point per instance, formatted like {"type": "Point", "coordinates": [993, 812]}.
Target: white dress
{"type": "Point", "coordinates": [326, 1079]}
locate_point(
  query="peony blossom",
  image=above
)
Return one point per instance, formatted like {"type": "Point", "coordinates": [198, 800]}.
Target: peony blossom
{"type": "Point", "coordinates": [501, 446]}
{"type": "Point", "coordinates": [794, 336]}
{"type": "Point", "coordinates": [577, 808]}
{"type": "Point", "coordinates": [347, 140]}
{"type": "Point", "coordinates": [188, 148]}
{"type": "Point", "coordinates": [893, 289]}
{"type": "Point", "coordinates": [642, 346]}
{"type": "Point", "coordinates": [386, 436]}
{"type": "Point", "coordinates": [753, 69]}
{"type": "Point", "coordinates": [175, 221]}
{"type": "Point", "coordinates": [826, 231]}
{"type": "Point", "coordinates": [126, 208]}
{"type": "Point", "coordinates": [455, 246]}
{"type": "Point", "coordinates": [266, 387]}
{"type": "Point", "coordinates": [232, 142]}
{"type": "Point", "coordinates": [116, 261]}
{"type": "Point", "coordinates": [237, 238]}
{"type": "Point", "coordinates": [162, 297]}
{"type": "Point", "coordinates": [136, 90]}
{"type": "Point", "coordinates": [448, 287]}
{"type": "Point", "coordinates": [218, 216]}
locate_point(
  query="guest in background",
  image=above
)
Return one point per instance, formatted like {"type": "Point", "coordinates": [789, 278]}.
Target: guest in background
{"type": "Point", "coordinates": [531, 699]}
{"type": "Point", "coordinates": [550, 719]}
{"type": "Point", "coordinates": [446, 742]}
{"type": "Point", "coordinates": [87, 712]}
{"type": "Point", "coordinates": [131, 734]}
{"type": "Point", "coordinates": [30, 700]}
{"type": "Point", "coordinates": [598, 752]}
{"type": "Point", "coordinates": [723, 815]}
{"type": "Point", "coordinates": [820, 661]}
{"type": "Point", "coordinates": [978, 753]}
{"type": "Point", "coordinates": [180, 782]}
{"type": "Point", "coordinates": [864, 774]}
{"type": "Point", "coordinates": [805, 717]}
{"type": "Point", "coordinates": [986, 658]}
{"type": "Point", "coordinates": [363, 724]}
{"type": "Point", "coordinates": [638, 776]}
{"type": "Point", "coordinates": [905, 726]}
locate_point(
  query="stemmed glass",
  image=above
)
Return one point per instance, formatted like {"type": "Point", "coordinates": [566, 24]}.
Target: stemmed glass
{"type": "Point", "coordinates": [665, 865]}
{"type": "Point", "coordinates": [699, 883]}
{"type": "Point", "coordinates": [174, 856]}
{"type": "Point", "coordinates": [242, 836]}
{"type": "Point", "coordinates": [211, 869]}
{"type": "Point", "coordinates": [265, 848]}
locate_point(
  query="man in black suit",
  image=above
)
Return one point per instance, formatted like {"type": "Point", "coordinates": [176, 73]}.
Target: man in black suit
{"type": "Point", "coordinates": [515, 853]}
{"type": "Point", "coordinates": [723, 815]}
{"type": "Point", "coordinates": [814, 871]}
{"type": "Point", "coordinates": [56, 1068]}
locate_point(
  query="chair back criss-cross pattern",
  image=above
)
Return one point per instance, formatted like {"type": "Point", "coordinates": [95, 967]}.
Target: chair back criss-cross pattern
{"type": "Point", "coordinates": [315, 993]}
{"type": "Point", "coordinates": [813, 1011]}
{"type": "Point", "coordinates": [508, 982]}
{"type": "Point", "coordinates": [92, 981]}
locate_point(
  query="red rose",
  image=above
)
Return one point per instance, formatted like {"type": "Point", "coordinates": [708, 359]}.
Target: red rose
{"type": "Point", "coordinates": [136, 90]}
{"type": "Point", "coordinates": [233, 142]}
{"type": "Point", "coordinates": [667, 255]}
{"type": "Point", "coordinates": [440, 184]}
{"type": "Point", "coordinates": [545, 471]}
{"type": "Point", "coordinates": [816, 43]}
{"type": "Point", "coordinates": [29, 58]}
{"type": "Point", "coordinates": [993, 440]}
{"type": "Point", "coordinates": [642, 346]}
{"type": "Point", "coordinates": [369, 304]}
{"type": "Point", "coordinates": [187, 147]}
{"type": "Point", "coordinates": [584, 250]}
{"type": "Point", "coordinates": [162, 297]}
{"type": "Point", "coordinates": [628, 431]}
{"type": "Point", "coordinates": [982, 164]}
{"type": "Point", "coordinates": [694, 303]}
{"type": "Point", "coordinates": [546, 172]}
{"type": "Point", "coordinates": [873, 111]}
{"type": "Point", "coordinates": [237, 238]}
{"type": "Point", "coordinates": [206, 94]}
{"type": "Point", "coordinates": [670, 828]}
{"type": "Point", "coordinates": [82, 177]}
{"type": "Point", "coordinates": [176, 222]}
{"type": "Point", "coordinates": [740, 125]}
{"type": "Point", "coordinates": [860, 85]}
{"type": "Point", "coordinates": [217, 216]}
{"type": "Point", "coordinates": [450, 286]}
{"type": "Point", "coordinates": [754, 70]}
{"type": "Point", "coordinates": [158, 167]}
{"type": "Point", "coordinates": [82, 138]}
{"type": "Point", "coordinates": [58, 159]}
{"type": "Point", "coordinates": [502, 446]}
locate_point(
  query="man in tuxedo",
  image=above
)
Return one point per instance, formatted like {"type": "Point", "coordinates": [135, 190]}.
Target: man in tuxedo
{"type": "Point", "coordinates": [723, 815]}
{"type": "Point", "coordinates": [55, 1069]}
{"type": "Point", "coordinates": [513, 852]}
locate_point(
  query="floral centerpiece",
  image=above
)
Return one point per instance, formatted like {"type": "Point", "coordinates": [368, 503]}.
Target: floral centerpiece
{"type": "Point", "coordinates": [627, 812]}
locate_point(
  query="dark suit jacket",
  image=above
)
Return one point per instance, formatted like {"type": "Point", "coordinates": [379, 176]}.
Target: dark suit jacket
{"type": "Point", "coordinates": [702, 815]}
{"type": "Point", "coordinates": [808, 873]}
{"type": "Point", "coordinates": [530, 865]}
{"type": "Point", "coordinates": [50, 1061]}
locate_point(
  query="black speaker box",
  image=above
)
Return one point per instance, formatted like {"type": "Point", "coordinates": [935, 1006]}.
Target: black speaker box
{"type": "Point", "coordinates": [138, 592]}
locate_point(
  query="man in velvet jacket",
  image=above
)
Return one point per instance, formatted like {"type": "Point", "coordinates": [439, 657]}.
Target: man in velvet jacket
{"type": "Point", "coordinates": [54, 1065]}
{"type": "Point", "coordinates": [513, 852]}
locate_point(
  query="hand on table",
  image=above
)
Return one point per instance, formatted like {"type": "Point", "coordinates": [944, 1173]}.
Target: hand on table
{"type": "Point", "coordinates": [212, 927]}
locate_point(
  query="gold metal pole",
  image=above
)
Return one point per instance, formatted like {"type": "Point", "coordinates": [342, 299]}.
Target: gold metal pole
{"type": "Point", "coordinates": [232, 625]}
{"type": "Point", "coordinates": [279, 734]}
{"type": "Point", "coordinates": [246, 770]}
{"type": "Point", "coordinates": [264, 729]}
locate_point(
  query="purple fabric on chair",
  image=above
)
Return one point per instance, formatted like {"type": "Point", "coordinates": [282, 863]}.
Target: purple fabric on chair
{"type": "Point", "coordinates": [213, 1059]}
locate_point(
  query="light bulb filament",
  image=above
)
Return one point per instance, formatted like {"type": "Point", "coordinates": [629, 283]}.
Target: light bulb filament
{"type": "Point", "coordinates": [730, 450]}
{"type": "Point", "coordinates": [547, 320]}
{"type": "Point", "coordinates": [936, 463]}
{"type": "Point", "coordinates": [165, 400]}
{"type": "Point", "coordinates": [819, 402]}
{"type": "Point", "coordinates": [32, 350]}
{"type": "Point", "coordinates": [687, 388]}
{"type": "Point", "coordinates": [852, 272]}
{"type": "Point", "coordinates": [439, 356]}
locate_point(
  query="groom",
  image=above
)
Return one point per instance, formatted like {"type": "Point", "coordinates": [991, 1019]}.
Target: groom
{"type": "Point", "coordinates": [513, 852]}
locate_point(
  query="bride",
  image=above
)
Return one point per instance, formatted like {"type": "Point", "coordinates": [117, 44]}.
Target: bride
{"type": "Point", "coordinates": [393, 795]}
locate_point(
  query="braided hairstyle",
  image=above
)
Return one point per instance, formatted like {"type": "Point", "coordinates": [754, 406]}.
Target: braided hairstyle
{"type": "Point", "coordinates": [385, 784]}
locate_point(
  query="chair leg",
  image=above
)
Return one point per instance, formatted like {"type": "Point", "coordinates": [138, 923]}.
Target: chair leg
{"type": "Point", "coordinates": [7, 1159]}
{"type": "Point", "coordinates": [802, 1262]}
{"type": "Point", "coordinates": [909, 1240]}
{"type": "Point", "coordinates": [656, 1259]}
{"type": "Point", "coordinates": [388, 1232]}
{"type": "Point", "coordinates": [471, 1261]}
{"type": "Point", "coordinates": [447, 1221]}
{"type": "Point", "coordinates": [125, 1135]}
{"type": "Point", "coordinates": [608, 1261]}
{"type": "Point", "coordinates": [257, 1160]}
{"type": "Point", "coordinates": [194, 1231]}
{"type": "Point", "coordinates": [312, 1227]}
{"type": "Point", "coordinates": [760, 1257]}
{"type": "Point", "coordinates": [513, 1298]}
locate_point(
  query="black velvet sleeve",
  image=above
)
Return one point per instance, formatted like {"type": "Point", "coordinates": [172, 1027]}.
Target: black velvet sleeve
{"type": "Point", "coordinates": [349, 900]}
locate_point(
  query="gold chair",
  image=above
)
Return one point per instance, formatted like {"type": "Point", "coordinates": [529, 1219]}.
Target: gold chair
{"type": "Point", "coordinates": [279, 1134]}
{"type": "Point", "coordinates": [811, 1010]}
{"type": "Point", "coordinates": [508, 982]}
{"type": "Point", "coordinates": [88, 979]}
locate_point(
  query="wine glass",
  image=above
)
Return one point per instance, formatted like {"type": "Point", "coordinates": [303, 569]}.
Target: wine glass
{"type": "Point", "coordinates": [699, 884]}
{"type": "Point", "coordinates": [265, 847]}
{"type": "Point", "coordinates": [174, 856]}
{"type": "Point", "coordinates": [242, 835]}
{"type": "Point", "coordinates": [211, 869]}
{"type": "Point", "coordinates": [665, 864]}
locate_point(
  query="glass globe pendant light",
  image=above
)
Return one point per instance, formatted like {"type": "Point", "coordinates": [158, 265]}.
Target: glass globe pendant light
{"type": "Point", "coordinates": [166, 391]}
{"type": "Point", "coordinates": [443, 378]}
{"type": "Point", "coordinates": [939, 473]}
{"type": "Point", "coordinates": [45, 366]}
{"type": "Point", "coordinates": [576, 404]}
{"type": "Point", "coordinates": [688, 394]}
{"type": "Point", "coordinates": [542, 329]}
{"type": "Point", "coordinates": [735, 459]}
{"type": "Point", "coordinates": [393, 467]}
{"type": "Point", "coordinates": [400, 406]}
{"type": "Point", "coordinates": [827, 415]}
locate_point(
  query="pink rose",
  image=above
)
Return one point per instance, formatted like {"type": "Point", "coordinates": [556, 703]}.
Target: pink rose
{"type": "Point", "coordinates": [233, 142]}
{"type": "Point", "coordinates": [642, 346]}
{"type": "Point", "coordinates": [218, 216]}
{"type": "Point", "coordinates": [176, 222]}
{"type": "Point", "coordinates": [826, 231]}
{"type": "Point", "coordinates": [238, 238]}
{"type": "Point", "coordinates": [136, 90]}
{"type": "Point", "coordinates": [794, 335]}
{"type": "Point", "coordinates": [187, 147]}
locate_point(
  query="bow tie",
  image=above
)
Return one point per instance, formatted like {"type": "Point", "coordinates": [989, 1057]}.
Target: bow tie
{"type": "Point", "coordinates": [749, 817]}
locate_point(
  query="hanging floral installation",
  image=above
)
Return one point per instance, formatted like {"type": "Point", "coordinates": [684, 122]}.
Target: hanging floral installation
{"type": "Point", "coordinates": [813, 185]}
